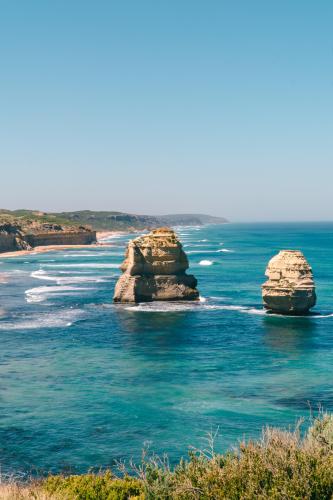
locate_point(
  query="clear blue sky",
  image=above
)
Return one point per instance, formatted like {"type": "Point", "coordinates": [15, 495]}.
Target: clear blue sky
{"type": "Point", "coordinates": [161, 106]}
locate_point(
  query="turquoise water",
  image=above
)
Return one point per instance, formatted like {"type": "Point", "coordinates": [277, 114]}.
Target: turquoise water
{"type": "Point", "coordinates": [85, 382]}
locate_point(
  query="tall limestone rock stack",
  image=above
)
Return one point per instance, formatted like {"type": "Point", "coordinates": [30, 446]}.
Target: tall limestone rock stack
{"type": "Point", "coordinates": [155, 269]}
{"type": "Point", "coordinates": [290, 288]}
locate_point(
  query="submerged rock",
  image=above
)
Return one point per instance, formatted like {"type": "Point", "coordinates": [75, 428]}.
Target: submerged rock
{"type": "Point", "coordinates": [155, 269]}
{"type": "Point", "coordinates": [290, 288]}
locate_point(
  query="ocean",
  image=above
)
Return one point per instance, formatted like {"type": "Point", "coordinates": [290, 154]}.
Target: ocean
{"type": "Point", "coordinates": [85, 383]}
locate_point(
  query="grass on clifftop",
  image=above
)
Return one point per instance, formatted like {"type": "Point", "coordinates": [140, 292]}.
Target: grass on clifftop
{"type": "Point", "coordinates": [281, 465]}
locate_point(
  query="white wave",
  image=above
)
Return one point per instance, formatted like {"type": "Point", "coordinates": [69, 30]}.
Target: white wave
{"type": "Point", "coordinates": [42, 293]}
{"type": "Point", "coordinates": [205, 262]}
{"type": "Point", "coordinates": [163, 307]}
{"type": "Point", "coordinates": [200, 305]}
{"type": "Point", "coordinates": [89, 265]}
{"type": "Point", "coordinates": [58, 319]}
{"type": "Point", "coordinates": [225, 250]}
{"type": "Point", "coordinates": [225, 307]}
{"type": "Point", "coordinates": [93, 254]}
{"type": "Point", "coordinates": [67, 280]}
{"type": "Point", "coordinates": [202, 241]}
{"type": "Point", "coordinates": [201, 251]}
{"type": "Point", "coordinates": [253, 310]}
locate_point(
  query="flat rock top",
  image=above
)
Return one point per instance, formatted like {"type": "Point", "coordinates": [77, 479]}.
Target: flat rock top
{"type": "Point", "coordinates": [161, 237]}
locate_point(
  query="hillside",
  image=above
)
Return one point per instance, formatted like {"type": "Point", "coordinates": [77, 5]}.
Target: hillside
{"type": "Point", "coordinates": [109, 221]}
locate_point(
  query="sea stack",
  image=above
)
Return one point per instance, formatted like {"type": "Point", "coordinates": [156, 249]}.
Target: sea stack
{"type": "Point", "coordinates": [290, 287]}
{"type": "Point", "coordinates": [155, 269]}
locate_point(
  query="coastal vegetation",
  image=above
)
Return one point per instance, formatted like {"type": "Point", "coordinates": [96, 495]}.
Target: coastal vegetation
{"type": "Point", "coordinates": [110, 220]}
{"type": "Point", "coordinates": [293, 464]}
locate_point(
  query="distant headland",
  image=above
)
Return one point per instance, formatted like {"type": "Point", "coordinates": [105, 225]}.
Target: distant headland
{"type": "Point", "coordinates": [27, 229]}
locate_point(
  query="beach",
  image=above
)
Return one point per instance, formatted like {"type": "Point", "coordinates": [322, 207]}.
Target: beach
{"type": "Point", "coordinates": [103, 239]}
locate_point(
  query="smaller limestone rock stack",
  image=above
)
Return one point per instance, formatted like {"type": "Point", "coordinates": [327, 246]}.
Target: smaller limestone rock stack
{"type": "Point", "coordinates": [155, 269]}
{"type": "Point", "coordinates": [290, 288]}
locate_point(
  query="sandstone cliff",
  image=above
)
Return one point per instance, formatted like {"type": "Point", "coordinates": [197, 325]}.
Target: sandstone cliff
{"type": "Point", "coordinates": [155, 269]}
{"type": "Point", "coordinates": [23, 234]}
{"type": "Point", "coordinates": [290, 288]}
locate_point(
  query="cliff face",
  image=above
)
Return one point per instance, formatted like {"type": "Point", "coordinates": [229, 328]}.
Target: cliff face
{"type": "Point", "coordinates": [61, 238]}
{"type": "Point", "coordinates": [290, 287]}
{"type": "Point", "coordinates": [155, 269]}
{"type": "Point", "coordinates": [23, 235]}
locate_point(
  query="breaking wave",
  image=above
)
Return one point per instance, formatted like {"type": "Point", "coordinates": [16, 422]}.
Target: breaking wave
{"type": "Point", "coordinates": [89, 265]}
{"type": "Point", "coordinates": [67, 280]}
{"type": "Point", "coordinates": [42, 293]}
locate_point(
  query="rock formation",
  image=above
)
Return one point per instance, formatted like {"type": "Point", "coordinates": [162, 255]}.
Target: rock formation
{"type": "Point", "coordinates": [155, 269]}
{"type": "Point", "coordinates": [24, 234]}
{"type": "Point", "coordinates": [290, 288]}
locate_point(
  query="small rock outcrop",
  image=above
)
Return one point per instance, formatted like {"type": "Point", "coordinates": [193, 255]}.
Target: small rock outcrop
{"type": "Point", "coordinates": [290, 288]}
{"type": "Point", "coordinates": [155, 269]}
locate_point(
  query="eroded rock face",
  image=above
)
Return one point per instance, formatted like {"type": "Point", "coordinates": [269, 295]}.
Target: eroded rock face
{"type": "Point", "coordinates": [155, 269]}
{"type": "Point", "coordinates": [290, 288]}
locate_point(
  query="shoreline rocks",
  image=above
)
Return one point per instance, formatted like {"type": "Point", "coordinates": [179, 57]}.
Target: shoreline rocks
{"type": "Point", "coordinates": [290, 288]}
{"type": "Point", "coordinates": [155, 269]}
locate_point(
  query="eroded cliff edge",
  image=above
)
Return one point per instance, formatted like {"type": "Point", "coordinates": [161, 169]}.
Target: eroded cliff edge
{"type": "Point", "coordinates": [155, 269]}
{"type": "Point", "coordinates": [24, 234]}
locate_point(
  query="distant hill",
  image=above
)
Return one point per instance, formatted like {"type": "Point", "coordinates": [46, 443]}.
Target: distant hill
{"type": "Point", "coordinates": [112, 221]}
{"type": "Point", "coordinates": [109, 221]}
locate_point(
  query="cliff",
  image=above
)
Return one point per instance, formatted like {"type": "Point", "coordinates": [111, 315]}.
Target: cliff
{"type": "Point", "coordinates": [22, 233]}
{"type": "Point", "coordinates": [155, 269]}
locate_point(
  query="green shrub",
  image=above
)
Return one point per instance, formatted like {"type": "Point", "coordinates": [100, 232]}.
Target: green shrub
{"type": "Point", "coordinates": [282, 465]}
{"type": "Point", "coordinates": [95, 487]}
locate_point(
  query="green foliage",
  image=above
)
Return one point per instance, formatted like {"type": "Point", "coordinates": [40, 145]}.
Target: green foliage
{"type": "Point", "coordinates": [94, 487]}
{"type": "Point", "coordinates": [282, 465]}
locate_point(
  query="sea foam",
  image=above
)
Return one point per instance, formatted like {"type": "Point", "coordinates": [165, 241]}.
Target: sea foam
{"type": "Point", "coordinates": [42, 293]}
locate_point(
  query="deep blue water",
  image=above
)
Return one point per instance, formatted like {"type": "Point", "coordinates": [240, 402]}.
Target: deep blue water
{"type": "Point", "coordinates": [84, 382]}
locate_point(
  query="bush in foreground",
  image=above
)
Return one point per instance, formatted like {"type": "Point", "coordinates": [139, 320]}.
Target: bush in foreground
{"type": "Point", "coordinates": [281, 465]}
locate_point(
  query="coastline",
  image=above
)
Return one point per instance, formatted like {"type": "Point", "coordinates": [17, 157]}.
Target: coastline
{"type": "Point", "coordinates": [101, 235]}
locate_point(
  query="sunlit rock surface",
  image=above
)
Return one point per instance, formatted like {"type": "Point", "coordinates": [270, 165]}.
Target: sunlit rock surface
{"type": "Point", "coordinates": [155, 269]}
{"type": "Point", "coordinates": [290, 287]}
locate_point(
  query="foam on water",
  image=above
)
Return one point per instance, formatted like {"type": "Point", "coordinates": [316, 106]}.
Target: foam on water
{"type": "Point", "coordinates": [198, 306]}
{"type": "Point", "coordinates": [60, 280]}
{"type": "Point", "coordinates": [86, 265]}
{"type": "Point", "coordinates": [205, 262]}
{"type": "Point", "coordinates": [225, 250]}
{"type": "Point", "coordinates": [43, 320]}
{"type": "Point", "coordinates": [42, 293]}
{"type": "Point", "coordinates": [201, 251]}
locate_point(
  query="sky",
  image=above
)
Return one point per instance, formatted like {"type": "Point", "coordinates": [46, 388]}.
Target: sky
{"type": "Point", "coordinates": [168, 106]}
